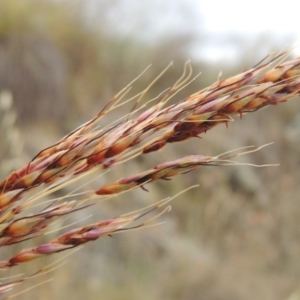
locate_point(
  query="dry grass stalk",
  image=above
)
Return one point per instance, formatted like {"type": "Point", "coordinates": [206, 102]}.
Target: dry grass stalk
{"type": "Point", "coordinates": [89, 149]}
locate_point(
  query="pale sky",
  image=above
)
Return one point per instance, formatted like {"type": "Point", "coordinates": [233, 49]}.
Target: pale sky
{"type": "Point", "coordinates": [276, 19]}
{"type": "Point", "coordinates": [251, 16]}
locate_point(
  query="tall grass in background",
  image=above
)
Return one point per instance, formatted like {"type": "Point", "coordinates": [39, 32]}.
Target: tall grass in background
{"type": "Point", "coordinates": [233, 237]}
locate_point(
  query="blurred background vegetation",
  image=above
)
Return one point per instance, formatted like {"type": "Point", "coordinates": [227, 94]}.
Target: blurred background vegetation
{"type": "Point", "coordinates": [237, 235]}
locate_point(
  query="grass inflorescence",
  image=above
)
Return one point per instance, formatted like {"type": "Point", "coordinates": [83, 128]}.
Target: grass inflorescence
{"type": "Point", "coordinates": [148, 127]}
